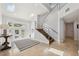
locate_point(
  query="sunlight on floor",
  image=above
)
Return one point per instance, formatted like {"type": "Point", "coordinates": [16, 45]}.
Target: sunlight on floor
{"type": "Point", "coordinates": [55, 51]}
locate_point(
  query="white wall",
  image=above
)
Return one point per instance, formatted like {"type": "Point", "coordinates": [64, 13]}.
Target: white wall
{"type": "Point", "coordinates": [77, 22]}
{"type": "Point", "coordinates": [75, 30]}
{"type": "Point", "coordinates": [61, 31]}
{"type": "Point", "coordinates": [0, 15]}
{"type": "Point", "coordinates": [41, 20]}
{"type": "Point", "coordinates": [0, 23]}
{"type": "Point", "coordinates": [41, 38]}
{"type": "Point", "coordinates": [52, 20]}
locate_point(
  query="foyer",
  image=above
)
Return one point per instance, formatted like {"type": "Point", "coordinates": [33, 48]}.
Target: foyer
{"type": "Point", "coordinates": [39, 29]}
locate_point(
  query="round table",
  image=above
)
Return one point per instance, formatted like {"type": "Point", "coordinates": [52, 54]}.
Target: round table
{"type": "Point", "coordinates": [5, 44]}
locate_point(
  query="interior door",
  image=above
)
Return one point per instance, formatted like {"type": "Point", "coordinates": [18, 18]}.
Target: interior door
{"type": "Point", "coordinates": [78, 31]}
{"type": "Point", "coordinates": [70, 30]}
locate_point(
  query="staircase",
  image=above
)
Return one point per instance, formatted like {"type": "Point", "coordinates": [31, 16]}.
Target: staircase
{"type": "Point", "coordinates": [50, 39]}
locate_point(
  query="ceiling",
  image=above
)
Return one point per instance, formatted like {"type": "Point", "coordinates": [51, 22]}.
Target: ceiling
{"type": "Point", "coordinates": [24, 10]}
{"type": "Point", "coordinates": [27, 11]}
{"type": "Point", "coordinates": [49, 6]}
{"type": "Point", "coordinates": [52, 6]}
{"type": "Point", "coordinates": [71, 17]}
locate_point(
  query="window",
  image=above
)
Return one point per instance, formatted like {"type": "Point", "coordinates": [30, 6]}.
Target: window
{"type": "Point", "coordinates": [10, 7]}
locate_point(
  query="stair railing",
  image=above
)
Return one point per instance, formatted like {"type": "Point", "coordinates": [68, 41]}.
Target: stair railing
{"type": "Point", "coordinates": [50, 31]}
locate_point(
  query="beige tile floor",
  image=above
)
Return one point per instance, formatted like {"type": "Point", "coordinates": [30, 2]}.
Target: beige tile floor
{"type": "Point", "coordinates": [69, 47]}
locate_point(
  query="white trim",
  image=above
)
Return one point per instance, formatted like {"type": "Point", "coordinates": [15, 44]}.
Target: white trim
{"type": "Point", "coordinates": [56, 51]}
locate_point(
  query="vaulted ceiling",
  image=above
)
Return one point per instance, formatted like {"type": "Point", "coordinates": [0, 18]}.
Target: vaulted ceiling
{"type": "Point", "coordinates": [27, 10]}
{"type": "Point", "coordinates": [71, 17]}
{"type": "Point", "coordinates": [52, 6]}
{"type": "Point", "coordinates": [23, 10]}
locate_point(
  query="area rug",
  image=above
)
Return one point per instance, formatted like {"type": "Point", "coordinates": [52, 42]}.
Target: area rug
{"type": "Point", "coordinates": [25, 44]}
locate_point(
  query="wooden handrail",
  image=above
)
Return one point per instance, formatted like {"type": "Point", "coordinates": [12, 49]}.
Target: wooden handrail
{"type": "Point", "coordinates": [51, 28]}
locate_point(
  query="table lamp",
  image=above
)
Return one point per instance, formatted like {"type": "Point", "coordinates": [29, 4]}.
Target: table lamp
{"type": "Point", "coordinates": [4, 28]}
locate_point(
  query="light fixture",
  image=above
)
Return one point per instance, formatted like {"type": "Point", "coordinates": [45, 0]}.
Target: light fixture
{"type": "Point", "coordinates": [32, 15]}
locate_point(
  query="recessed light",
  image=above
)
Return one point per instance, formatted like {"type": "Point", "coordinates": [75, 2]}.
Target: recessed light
{"type": "Point", "coordinates": [32, 15]}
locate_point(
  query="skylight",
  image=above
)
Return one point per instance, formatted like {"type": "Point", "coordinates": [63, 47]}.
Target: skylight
{"type": "Point", "coordinates": [10, 7]}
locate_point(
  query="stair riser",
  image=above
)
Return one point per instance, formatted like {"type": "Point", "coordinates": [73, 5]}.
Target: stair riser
{"type": "Point", "coordinates": [46, 35]}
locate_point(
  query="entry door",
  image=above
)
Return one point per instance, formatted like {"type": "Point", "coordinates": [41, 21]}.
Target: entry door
{"type": "Point", "coordinates": [70, 30]}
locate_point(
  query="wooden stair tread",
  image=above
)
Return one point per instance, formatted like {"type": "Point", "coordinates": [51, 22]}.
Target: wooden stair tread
{"type": "Point", "coordinates": [46, 35]}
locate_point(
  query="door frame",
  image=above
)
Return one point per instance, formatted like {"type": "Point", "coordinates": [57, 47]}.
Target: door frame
{"type": "Point", "coordinates": [66, 30]}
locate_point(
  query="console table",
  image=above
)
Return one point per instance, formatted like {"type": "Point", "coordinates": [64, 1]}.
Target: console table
{"type": "Point", "coordinates": [5, 44]}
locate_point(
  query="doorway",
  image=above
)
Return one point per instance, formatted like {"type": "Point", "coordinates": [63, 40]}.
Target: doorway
{"type": "Point", "coordinates": [69, 30]}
